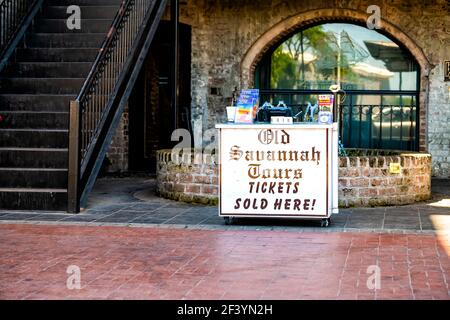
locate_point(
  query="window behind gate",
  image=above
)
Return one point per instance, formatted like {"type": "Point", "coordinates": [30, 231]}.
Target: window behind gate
{"type": "Point", "coordinates": [380, 78]}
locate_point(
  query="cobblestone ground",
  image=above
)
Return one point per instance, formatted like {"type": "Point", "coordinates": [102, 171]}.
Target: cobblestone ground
{"type": "Point", "coordinates": [129, 244]}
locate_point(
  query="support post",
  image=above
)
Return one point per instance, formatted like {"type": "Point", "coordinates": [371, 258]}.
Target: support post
{"type": "Point", "coordinates": [335, 108]}
{"type": "Point", "coordinates": [175, 17]}
{"type": "Point", "coordinates": [73, 189]}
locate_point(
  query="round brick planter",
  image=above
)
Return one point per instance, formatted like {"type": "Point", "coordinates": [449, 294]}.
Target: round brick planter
{"type": "Point", "coordinates": [365, 179]}
{"type": "Point", "coordinates": [190, 178]}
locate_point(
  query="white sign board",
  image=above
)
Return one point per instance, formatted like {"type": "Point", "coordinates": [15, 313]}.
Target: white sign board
{"type": "Point", "coordinates": [279, 172]}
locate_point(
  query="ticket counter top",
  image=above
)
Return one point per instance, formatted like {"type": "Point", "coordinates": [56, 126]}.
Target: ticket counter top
{"type": "Point", "coordinates": [260, 125]}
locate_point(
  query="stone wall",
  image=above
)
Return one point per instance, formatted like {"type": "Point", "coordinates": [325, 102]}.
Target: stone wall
{"type": "Point", "coordinates": [228, 38]}
{"type": "Point", "coordinates": [184, 180]}
{"type": "Point", "coordinates": [117, 156]}
{"type": "Point", "coordinates": [224, 33]}
{"type": "Point", "coordinates": [367, 181]}
{"type": "Point", "coordinates": [363, 181]}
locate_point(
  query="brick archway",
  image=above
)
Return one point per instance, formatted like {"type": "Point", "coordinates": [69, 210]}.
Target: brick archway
{"type": "Point", "coordinates": [282, 29]}
{"type": "Point", "coordinates": [293, 23]}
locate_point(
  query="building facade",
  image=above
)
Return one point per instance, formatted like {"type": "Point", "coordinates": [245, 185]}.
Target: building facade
{"type": "Point", "coordinates": [229, 41]}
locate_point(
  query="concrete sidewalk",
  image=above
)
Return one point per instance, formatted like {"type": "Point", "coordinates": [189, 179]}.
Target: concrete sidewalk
{"type": "Point", "coordinates": [132, 201]}
{"type": "Point", "coordinates": [128, 245]}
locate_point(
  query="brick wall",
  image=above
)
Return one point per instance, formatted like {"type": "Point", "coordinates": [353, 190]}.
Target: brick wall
{"type": "Point", "coordinates": [117, 156]}
{"type": "Point", "coordinates": [367, 181]}
{"type": "Point", "coordinates": [187, 181]}
{"type": "Point", "coordinates": [229, 36]}
{"type": "Point", "coordinates": [363, 181]}
{"type": "Point", "coordinates": [226, 33]}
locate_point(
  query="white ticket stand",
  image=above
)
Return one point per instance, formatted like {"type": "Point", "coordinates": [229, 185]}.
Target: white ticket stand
{"type": "Point", "coordinates": [278, 171]}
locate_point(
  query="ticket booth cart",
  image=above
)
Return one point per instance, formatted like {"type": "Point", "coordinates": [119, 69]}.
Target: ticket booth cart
{"type": "Point", "coordinates": [278, 171]}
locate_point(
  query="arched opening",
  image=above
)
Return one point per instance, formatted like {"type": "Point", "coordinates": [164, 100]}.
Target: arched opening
{"type": "Point", "coordinates": [380, 77]}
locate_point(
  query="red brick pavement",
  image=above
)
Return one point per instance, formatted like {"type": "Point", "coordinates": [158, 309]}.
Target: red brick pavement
{"type": "Point", "coordinates": [150, 263]}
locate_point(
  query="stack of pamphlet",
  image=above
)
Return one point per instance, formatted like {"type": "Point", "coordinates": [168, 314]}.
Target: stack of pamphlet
{"type": "Point", "coordinates": [247, 106]}
{"type": "Point", "coordinates": [326, 103]}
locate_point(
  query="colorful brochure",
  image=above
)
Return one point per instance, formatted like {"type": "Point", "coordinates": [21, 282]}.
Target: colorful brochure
{"type": "Point", "coordinates": [326, 104]}
{"type": "Point", "coordinates": [247, 106]}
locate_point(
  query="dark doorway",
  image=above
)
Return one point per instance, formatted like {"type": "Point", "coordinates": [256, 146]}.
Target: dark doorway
{"type": "Point", "coordinates": [150, 111]}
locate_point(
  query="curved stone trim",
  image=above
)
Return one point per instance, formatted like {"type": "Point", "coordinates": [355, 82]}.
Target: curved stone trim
{"type": "Point", "coordinates": [289, 25]}
{"type": "Point", "coordinates": [282, 29]}
{"type": "Point", "coordinates": [363, 181]}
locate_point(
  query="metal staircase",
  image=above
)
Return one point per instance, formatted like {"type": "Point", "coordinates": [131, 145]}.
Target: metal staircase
{"type": "Point", "coordinates": [62, 93]}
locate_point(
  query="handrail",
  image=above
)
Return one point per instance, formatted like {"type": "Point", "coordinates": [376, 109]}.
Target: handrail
{"type": "Point", "coordinates": [100, 82]}
{"type": "Point", "coordinates": [103, 51]}
{"type": "Point", "coordinates": [15, 18]}
{"type": "Point", "coordinates": [96, 110]}
{"type": "Point", "coordinates": [12, 13]}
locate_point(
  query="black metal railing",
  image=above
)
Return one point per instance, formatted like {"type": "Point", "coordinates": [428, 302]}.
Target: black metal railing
{"type": "Point", "coordinates": [362, 125]}
{"type": "Point", "coordinates": [379, 126]}
{"type": "Point", "coordinates": [94, 112]}
{"type": "Point", "coordinates": [15, 16]}
{"type": "Point", "coordinates": [12, 13]}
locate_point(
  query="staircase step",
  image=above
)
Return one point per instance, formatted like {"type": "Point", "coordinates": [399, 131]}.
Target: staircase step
{"type": "Point", "coordinates": [33, 158]}
{"type": "Point", "coordinates": [65, 40]}
{"type": "Point", "coordinates": [33, 199]}
{"type": "Point", "coordinates": [84, 2]}
{"type": "Point", "coordinates": [50, 69]}
{"type": "Point", "coordinates": [34, 120]}
{"type": "Point", "coordinates": [56, 54]}
{"type": "Point", "coordinates": [60, 26]}
{"type": "Point", "coordinates": [30, 102]}
{"type": "Point", "coordinates": [87, 12]}
{"type": "Point", "coordinates": [41, 85]}
{"type": "Point", "coordinates": [34, 138]}
{"type": "Point", "coordinates": [33, 178]}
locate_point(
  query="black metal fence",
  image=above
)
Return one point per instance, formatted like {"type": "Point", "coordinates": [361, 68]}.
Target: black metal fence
{"type": "Point", "coordinates": [391, 123]}
{"type": "Point", "coordinates": [379, 126]}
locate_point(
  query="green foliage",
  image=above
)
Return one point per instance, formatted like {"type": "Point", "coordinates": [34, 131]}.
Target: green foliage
{"type": "Point", "coordinates": [284, 70]}
{"type": "Point", "coordinates": [289, 70]}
